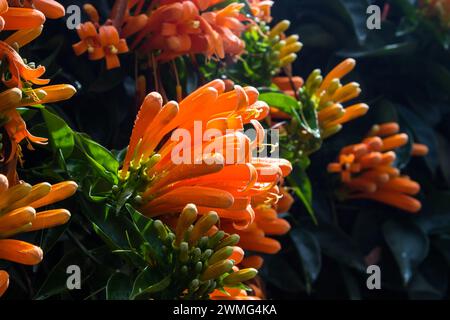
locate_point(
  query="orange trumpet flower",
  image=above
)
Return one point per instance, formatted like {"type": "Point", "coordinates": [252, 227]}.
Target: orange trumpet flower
{"type": "Point", "coordinates": [18, 207]}
{"type": "Point", "coordinates": [217, 174]}
{"type": "Point", "coordinates": [368, 172]}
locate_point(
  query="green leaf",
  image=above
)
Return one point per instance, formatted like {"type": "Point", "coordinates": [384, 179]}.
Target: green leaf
{"type": "Point", "coordinates": [56, 282]}
{"type": "Point", "coordinates": [103, 156]}
{"type": "Point", "coordinates": [338, 245]}
{"type": "Point", "coordinates": [101, 160]}
{"type": "Point", "coordinates": [118, 287]}
{"type": "Point", "coordinates": [355, 13]}
{"type": "Point", "coordinates": [283, 102]}
{"type": "Point", "coordinates": [301, 185]}
{"type": "Point", "coordinates": [61, 135]}
{"type": "Point", "coordinates": [308, 249]}
{"type": "Point", "coordinates": [147, 283]}
{"type": "Point", "coordinates": [409, 245]}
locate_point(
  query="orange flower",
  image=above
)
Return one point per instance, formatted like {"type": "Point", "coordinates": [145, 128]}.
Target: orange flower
{"type": "Point", "coordinates": [227, 24]}
{"type": "Point", "coordinates": [105, 43]}
{"type": "Point", "coordinates": [368, 169]}
{"type": "Point", "coordinates": [15, 98]}
{"type": "Point", "coordinates": [261, 9]}
{"type": "Point", "coordinates": [177, 29]}
{"type": "Point", "coordinates": [89, 41]}
{"type": "Point", "coordinates": [18, 70]}
{"type": "Point", "coordinates": [12, 18]}
{"type": "Point", "coordinates": [112, 46]}
{"type": "Point", "coordinates": [50, 8]}
{"type": "Point", "coordinates": [18, 206]}
{"type": "Point", "coordinates": [225, 178]}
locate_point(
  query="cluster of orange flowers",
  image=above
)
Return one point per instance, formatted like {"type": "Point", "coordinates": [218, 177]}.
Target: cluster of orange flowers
{"type": "Point", "coordinates": [18, 214]}
{"type": "Point", "coordinates": [226, 177]}
{"type": "Point", "coordinates": [368, 170]}
{"type": "Point", "coordinates": [172, 29]}
{"type": "Point", "coordinates": [19, 200]}
{"type": "Point", "coordinates": [18, 80]}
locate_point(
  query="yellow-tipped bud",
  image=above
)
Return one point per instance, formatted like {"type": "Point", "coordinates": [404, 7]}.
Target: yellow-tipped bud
{"type": "Point", "coordinates": [291, 48]}
{"type": "Point", "coordinates": [231, 240]}
{"type": "Point", "coordinates": [59, 192]}
{"type": "Point", "coordinates": [14, 194]}
{"type": "Point", "coordinates": [216, 270]}
{"type": "Point", "coordinates": [291, 39]}
{"type": "Point", "coordinates": [287, 60]}
{"type": "Point", "coordinates": [50, 219]}
{"type": "Point", "coordinates": [203, 225]}
{"type": "Point", "coordinates": [16, 219]}
{"type": "Point", "coordinates": [186, 219]}
{"type": "Point", "coordinates": [37, 192]}
{"type": "Point", "coordinates": [240, 276]}
{"type": "Point", "coordinates": [220, 255]}
{"type": "Point", "coordinates": [279, 28]}
{"type": "Point", "coordinates": [330, 131]}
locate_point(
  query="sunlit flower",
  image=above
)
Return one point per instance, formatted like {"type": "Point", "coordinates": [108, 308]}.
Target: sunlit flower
{"type": "Point", "coordinates": [17, 18]}
{"type": "Point", "coordinates": [18, 70]}
{"type": "Point", "coordinates": [261, 9]}
{"type": "Point", "coordinates": [330, 96]}
{"type": "Point", "coordinates": [177, 29]}
{"type": "Point", "coordinates": [368, 169]}
{"type": "Point", "coordinates": [104, 43]}
{"type": "Point", "coordinates": [228, 180]}
{"type": "Point", "coordinates": [15, 98]}
{"type": "Point", "coordinates": [18, 207]}
{"type": "Point", "coordinates": [227, 24]}
{"type": "Point", "coordinates": [50, 8]}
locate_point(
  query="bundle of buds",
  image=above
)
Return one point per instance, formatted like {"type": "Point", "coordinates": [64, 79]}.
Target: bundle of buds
{"type": "Point", "coordinates": [18, 205]}
{"type": "Point", "coordinates": [368, 169]}
{"type": "Point", "coordinates": [202, 259]}
{"type": "Point", "coordinates": [285, 48]}
{"type": "Point", "coordinates": [329, 95]}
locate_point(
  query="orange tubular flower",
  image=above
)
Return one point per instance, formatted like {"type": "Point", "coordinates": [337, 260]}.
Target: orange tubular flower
{"type": "Point", "coordinates": [12, 18]}
{"type": "Point", "coordinates": [50, 8]}
{"type": "Point", "coordinates": [368, 172]}
{"type": "Point", "coordinates": [220, 174]}
{"type": "Point", "coordinates": [112, 46]}
{"type": "Point", "coordinates": [21, 94]}
{"type": "Point", "coordinates": [227, 24]}
{"type": "Point", "coordinates": [261, 9]}
{"type": "Point", "coordinates": [177, 29]}
{"type": "Point", "coordinates": [18, 214]}
{"type": "Point", "coordinates": [19, 71]}
{"type": "Point", "coordinates": [89, 41]}
{"type": "Point", "coordinates": [106, 43]}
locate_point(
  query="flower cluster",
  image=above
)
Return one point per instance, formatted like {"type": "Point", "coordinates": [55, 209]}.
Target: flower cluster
{"type": "Point", "coordinates": [368, 169]}
{"type": "Point", "coordinates": [169, 30]}
{"type": "Point", "coordinates": [18, 205]}
{"type": "Point", "coordinates": [221, 173]}
{"type": "Point", "coordinates": [204, 259]}
{"type": "Point", "coordinates": [19, 79]}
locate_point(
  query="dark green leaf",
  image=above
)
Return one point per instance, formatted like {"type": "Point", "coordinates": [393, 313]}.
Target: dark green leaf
{"type": "Point", "coordinates": [409, 245]}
